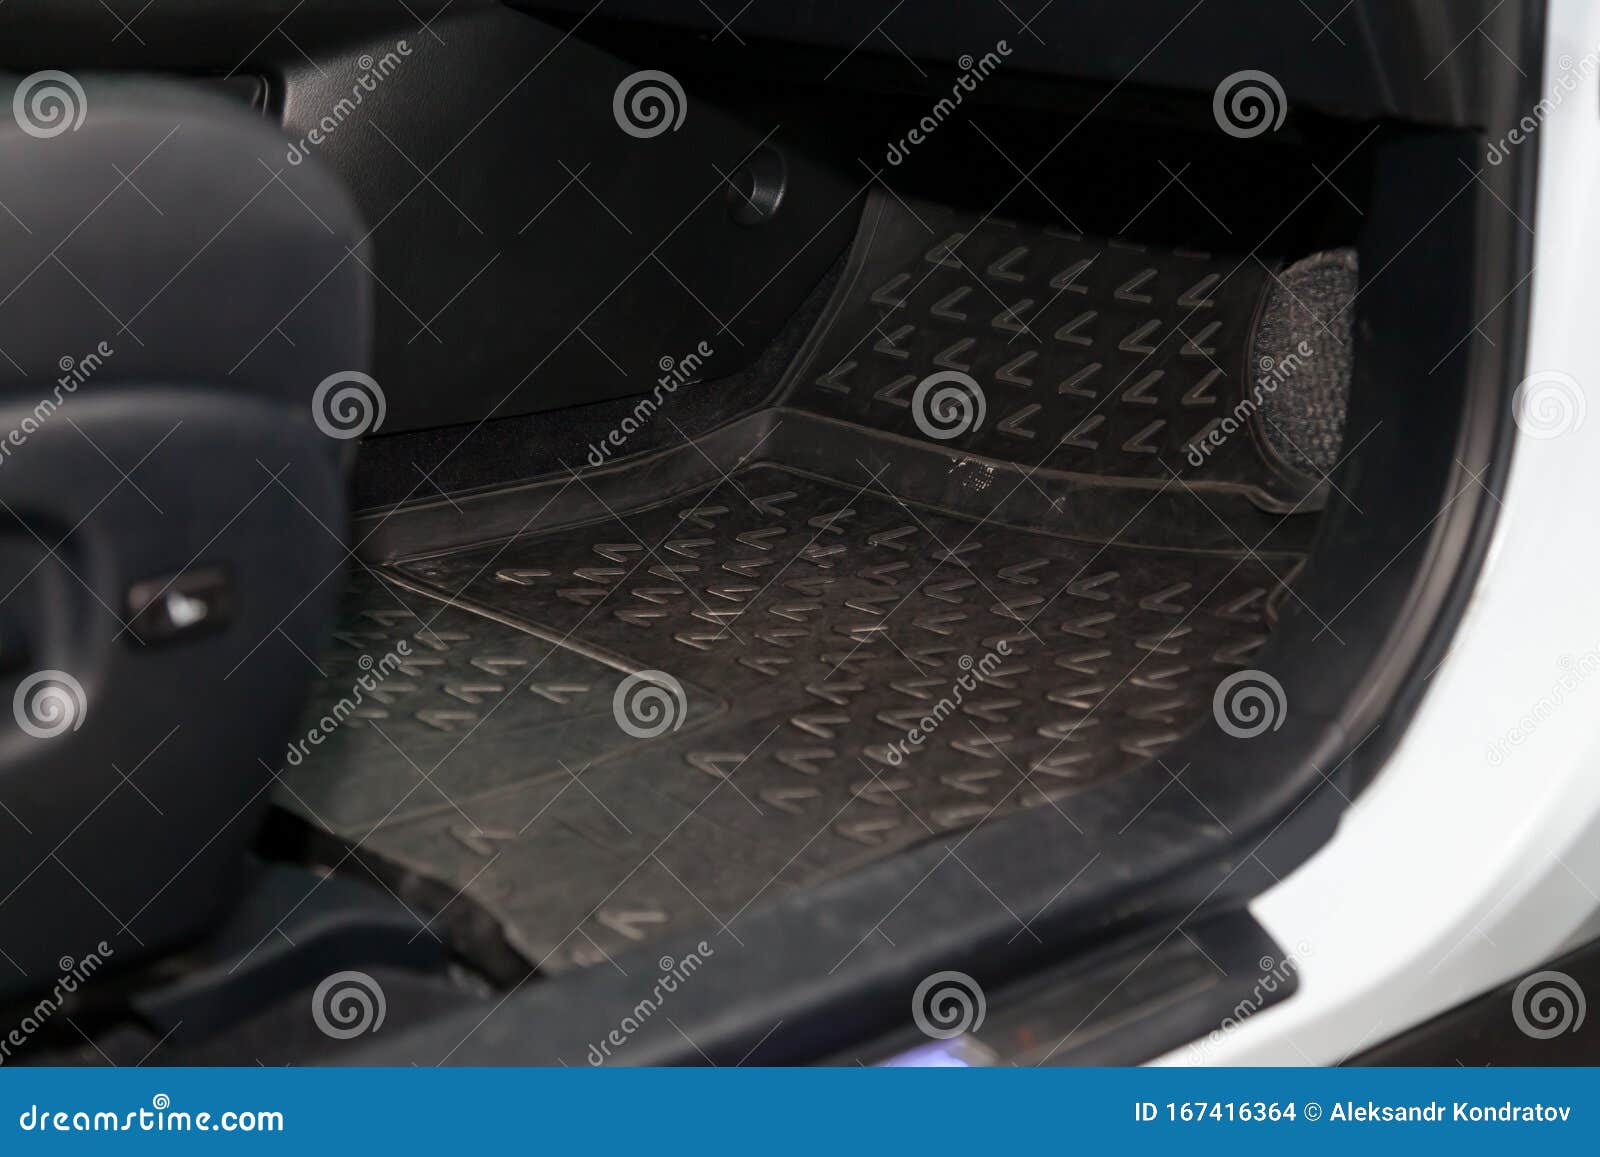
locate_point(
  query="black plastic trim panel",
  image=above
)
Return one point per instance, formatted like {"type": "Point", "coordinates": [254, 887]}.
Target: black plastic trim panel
{"type": "Point", "coordinates": [1418, 60]}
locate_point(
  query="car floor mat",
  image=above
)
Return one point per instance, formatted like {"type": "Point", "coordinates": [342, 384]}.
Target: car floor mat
{"type": "Point", "coordinates": [647, 694]}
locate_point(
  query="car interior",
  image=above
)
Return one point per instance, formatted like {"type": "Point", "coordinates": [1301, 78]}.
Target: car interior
{"type": "Point", "coordinates": [539, 499]}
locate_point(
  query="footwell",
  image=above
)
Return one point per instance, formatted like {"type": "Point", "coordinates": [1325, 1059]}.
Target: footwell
{"type": "Point", "coordinates": [646, 695]}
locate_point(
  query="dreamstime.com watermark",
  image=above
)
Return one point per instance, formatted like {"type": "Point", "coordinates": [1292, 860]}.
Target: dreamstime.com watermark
{"type": "Point", "coordinates": [673, 974]}
{"type": "Point", "coordinates": [649, 703]}
{"type": "Point", "coordinates": [674, 373]}
{"type": "Point", "coordinates": [348, 1004]}
{"type": "Point", "coordinates": [973, 673]}
{"type": "Point", "coordinates": [1274, 976]}
{"type": "Point", "coordinates": [47, 104]}
{"type": "Point", "coordinates": [948, 404]}
{"type": "Point", "coordinates": [348, 404]}
{"type": "Point", "coordinates": [1549, 404]}
{"type": "Point", "coordinates": [1249, 103]}
{"type": "Point", "coordinates": [649, 103]}
{"type": "Point", "coordinates": [1249, 703]}
{"type": "Point", "coordinates": [372, 73]}
{"type": "Point", "coordinates": [1572, 674]}
{"type": "Point", "coordinates": [948, 1004]}
{"type": "Point", "coordinates": [49, 703]}
{"type": "Point", "coordinates": [1568, 76]}
{"type": "Point", "coordinates": [74, 372]}
{"type": "Point", "coordinates": [1547, 1004]}
{"type": "Point", "coordinates": [374, 673]}
{"type": "Point", "coordinates": [1273, 374]}
{"type": "Point", "coordinates": [74, 973]}
{"type": "Point", "coordinates": [973, 73]}
{"type": "Point", "coordinates": [160, 1117]}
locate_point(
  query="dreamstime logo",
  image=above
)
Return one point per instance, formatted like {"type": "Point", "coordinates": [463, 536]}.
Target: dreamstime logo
{"type": "Point", "coordinates": [48, 104]}
{"type": "Point", "coordinates": [74, 372]}
{"type": "Point", "coordinates": [1249, 103]}
{"type": "Point", "coordinates": [675, 372]}
{"type": "Point", "coordinates": [347, 1004]}
{"type": "Point", "coordinates": [948, 404]}
{"type": "Point", "coordinates": [649, 703]}
{"type": "Point", "coordinates": [48, 704]}
{"type": "Point", "coordinates": [674, 974]}
{"type": "Point", "coordinates": [972, 675]}
{"type": "Point", "coordinates": [348, 404]}
{"type": "Point", "coordinates": [649, 103]}
{"type": "Point", "coordinates": [160, 1118]}
{"type": "Point", "coordinates": [1248, 703]}
{"type": "Point", "coordinates": [1274, 372]}
{"type": "Point", "coordinates": [1275, 975]}
{"type": "Point", "coordinates": [1574, 672]}
{"type": "Point", "coordinates": [948, 1004]}
{"type": "Point", "coordinates": [1549, 404]}
{"type": "Point", "coordinates": [1548, 1004]}
{"type": "Point", "coordinates": [371, 72]}
{"type": "Point", "coordinates": [973, 73]}
{"type": "Point", "coordinates": [1569, 80]}
{"type": "Point", "coordinates": [369, 682]}
{"type": "Point", "coordinates": [74, 974]}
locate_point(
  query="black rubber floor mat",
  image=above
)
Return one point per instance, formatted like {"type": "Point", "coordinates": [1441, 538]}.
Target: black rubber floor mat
{"type": "Point", "coordinates": [651, 692]}
{"type": "Point", "coordinates": [840, 671]}
{"type": "Point", "coordinates": [1091, 356]}
{"type": "Point", "coordinates": [405, 680]}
